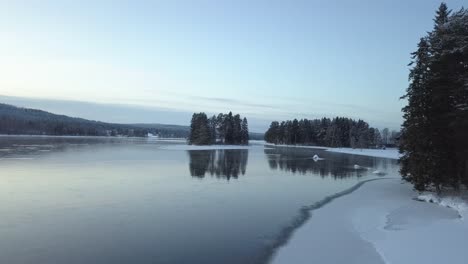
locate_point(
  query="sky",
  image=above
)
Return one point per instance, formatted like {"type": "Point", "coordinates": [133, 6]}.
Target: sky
{"type": "Point", "coordinates": [160, 61]}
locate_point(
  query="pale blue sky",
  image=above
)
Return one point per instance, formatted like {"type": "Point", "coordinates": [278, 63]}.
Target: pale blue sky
{"type": "Point", "coordinates": [265, 59]}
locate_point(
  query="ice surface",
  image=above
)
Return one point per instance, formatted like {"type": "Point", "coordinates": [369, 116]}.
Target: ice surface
{"type": "Point", "coordinates": [380, 222]}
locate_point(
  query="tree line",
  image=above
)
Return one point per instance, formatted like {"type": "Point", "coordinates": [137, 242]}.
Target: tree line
{"type": "Point", "coordinates": [336, 132]}
{"type": "Point", "coordinates": [220, 129]}
{"type": "Point", "coordinates": [16, 120]}
{"type": "Point", "coordinates": [434, 140]}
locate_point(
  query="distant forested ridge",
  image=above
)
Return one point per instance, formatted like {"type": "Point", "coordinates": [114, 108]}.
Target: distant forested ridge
{"type": "Point", "coordinates": [221, 129]}
{"type": "Point", "coordinates": [256, 136]}
{"type": "Point", "coordinates": [24, 121]}
{"type": "Point", "coordinates": [336, 132]}
{"type": "Point", "coordinates": [434, 140]}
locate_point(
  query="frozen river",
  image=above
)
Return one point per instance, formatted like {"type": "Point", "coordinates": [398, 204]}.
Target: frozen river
{"type": "Point", "coordinates": [110, 200]}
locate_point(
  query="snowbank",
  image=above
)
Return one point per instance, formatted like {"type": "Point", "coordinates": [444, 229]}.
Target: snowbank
{"type": "Point", "coordinates": [458, 204]}
{"type": "Point", "coordinates": [378, 223]}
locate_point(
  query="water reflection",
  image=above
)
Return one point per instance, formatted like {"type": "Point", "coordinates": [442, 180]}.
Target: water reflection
{"type": "Point", "coordinates": [30, 147]}
{"type": "Point", "coordinates": [228, 163]}
{"type": "Point", "coordinates": [297, 160]}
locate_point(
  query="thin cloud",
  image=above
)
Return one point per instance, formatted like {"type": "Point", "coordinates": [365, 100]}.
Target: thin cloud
{"type": "Point", "coordinates": [232, 101]}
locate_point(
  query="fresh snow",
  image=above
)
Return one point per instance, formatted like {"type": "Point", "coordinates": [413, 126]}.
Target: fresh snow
{"type": "Point", "coordinates": [454, 202]}
{"type": "Point", "coordinates": [380, 222]}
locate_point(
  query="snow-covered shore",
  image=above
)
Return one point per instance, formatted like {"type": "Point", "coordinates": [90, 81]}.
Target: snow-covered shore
{"type": "Point", "coordinates": [380, 222]}
{"type": "Point", "coordinates": [391, 153]}
{"type": "Point", "coordinates": [203, 147]}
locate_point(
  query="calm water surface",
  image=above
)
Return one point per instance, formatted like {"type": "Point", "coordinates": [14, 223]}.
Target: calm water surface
{"type": "Point", "coordinates": [102, 200]}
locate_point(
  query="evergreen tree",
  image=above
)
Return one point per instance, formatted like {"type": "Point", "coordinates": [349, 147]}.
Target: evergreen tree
{"type": "Point", "coordinates": [213, 125]}
{"type": "Point", "coordinates": [442, 16]}
{"type": "Point", "coordinates": [433, 140]}
{"type": "Point", "coordinates": [416, 147]}
{"type": "Point", "coordinates": [200, 130]}
{"type": "Point", "coordinates": [339, 132]}
{"type": "Point", "coordinates": [237, 129]}
{"type": "Point", "coordinates": [220, 127]}
{"type": "Point", "coordinates": [229, 129]}
{"type": "Point", "coordinates": [273, 133]}
{"type": "Point", "coordinates": [244, 132]}
{"type": "Point", "coordinates": [225, 129]}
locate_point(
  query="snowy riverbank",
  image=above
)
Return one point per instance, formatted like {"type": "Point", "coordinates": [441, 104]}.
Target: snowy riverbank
{"type": "Point", "coordinates": [390, 153]}
{"type": "Point", "coordinates": [380, 222]}
{"type": "Point", "coordinates": [204, 147]}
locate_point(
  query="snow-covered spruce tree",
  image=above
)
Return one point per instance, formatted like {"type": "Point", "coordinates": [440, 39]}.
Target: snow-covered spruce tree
{"type": "Point", "coordinates": [452, 59]}
{"type": "Point", "coordinates": [441, 86]}
{"type": "Point", "coordinates": [434, 143]}
{"type": "Point", "coordinates": [415, 144]}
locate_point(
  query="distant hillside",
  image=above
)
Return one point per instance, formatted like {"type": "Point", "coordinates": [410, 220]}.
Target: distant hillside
{"type": "Point", "coordinates": [256, 136]}
{"type": "Point", "coordinates": [16, 120]}
{"type": "Point", "coordinates": [165, 127]}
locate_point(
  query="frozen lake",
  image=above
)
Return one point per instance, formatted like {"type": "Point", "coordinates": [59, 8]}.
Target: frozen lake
{"type": "Point", "coordinates": [111, 200]}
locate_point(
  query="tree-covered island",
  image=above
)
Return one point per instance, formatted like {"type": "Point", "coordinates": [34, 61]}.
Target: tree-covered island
{"type": "Point", "coordinates": [221, 129]}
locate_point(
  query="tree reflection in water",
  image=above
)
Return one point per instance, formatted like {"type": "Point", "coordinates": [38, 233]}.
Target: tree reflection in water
{"type": "Point", "coordinates": [221, 163]}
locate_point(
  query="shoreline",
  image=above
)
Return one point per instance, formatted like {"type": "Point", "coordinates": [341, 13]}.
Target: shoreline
{"type": "Point", "coordinates": [389, 153]}
{"type": "Point", "coordinates": [305, 213]}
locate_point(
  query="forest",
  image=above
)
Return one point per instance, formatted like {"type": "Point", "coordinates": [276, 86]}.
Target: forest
{"type": "Point", "coordinates": [24, 121]}
{"type": "Point", "coordinates": [337, 132]}
{"type": "Point", "coordinates": [221, 129]}
{"type": "Point", "coordinates": [434, 140]}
